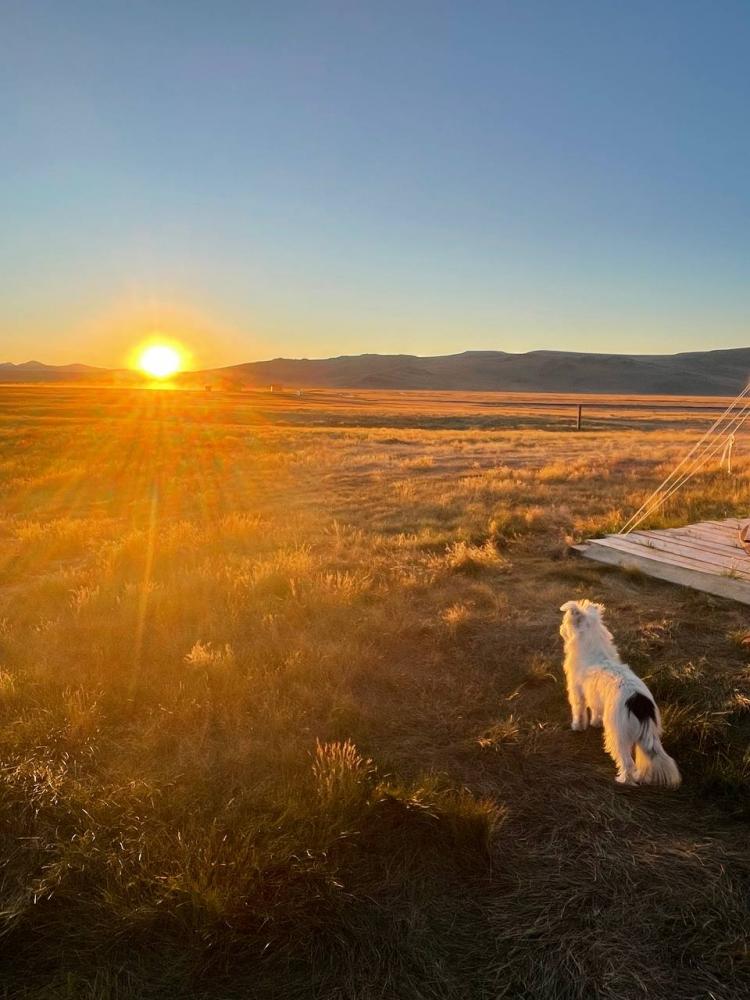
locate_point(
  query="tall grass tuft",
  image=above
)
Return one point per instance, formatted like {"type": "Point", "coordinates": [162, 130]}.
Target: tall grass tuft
{"type": "Point", "coordinates": [343, 777]}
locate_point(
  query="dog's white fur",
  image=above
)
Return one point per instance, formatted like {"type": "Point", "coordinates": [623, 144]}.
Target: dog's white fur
{"type": "Point", "coordinates": [599, 682]}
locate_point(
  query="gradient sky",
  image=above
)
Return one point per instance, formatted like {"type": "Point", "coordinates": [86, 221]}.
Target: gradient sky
{"type": "Point", "coordinates": [319, 178]}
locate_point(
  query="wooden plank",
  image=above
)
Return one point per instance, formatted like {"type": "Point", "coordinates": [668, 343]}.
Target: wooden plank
{"type": "Point", "coordinates": [676, 558]}
{"type": "Point", "coordinates": [657, 556]}
{"type": "Point", "coordinates": [720, 534]}
{"type": "Point", "coordinates": [725, 531]}
{"type": "Point", "coordinates": [709, 583]}
{"type": "Point", "coordinates": [706, 556]}
{"type": "Point", "coordinates": [727, 552]}
{"type": "Point", "coordinates": [729, 526]}
{"type": "Point", "coordinates": [700, 541]}
{"type": "Point", "coordinates": [701, 553]}
{"type": "Point", "coordinates": [697, 532]}
{"type": "Point", "coordinates": [726, 535]}
{"type": "Point", "coordinates": [730, 543]}
{"type": "Point", "coordinates": [714, 536]}
{"type": "Point", "coordinates": [727, 540]}
{"type": "Point", "coordinates": [673, 551]}
{"type": "Point", "coordinates": [672, 555]}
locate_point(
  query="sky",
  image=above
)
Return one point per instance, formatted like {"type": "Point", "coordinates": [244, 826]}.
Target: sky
{"type": "Point", "coordinates": [307, 179]}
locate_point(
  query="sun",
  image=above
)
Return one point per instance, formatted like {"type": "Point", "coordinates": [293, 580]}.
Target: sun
{"type": "Point", "coordinates": [160, 360]}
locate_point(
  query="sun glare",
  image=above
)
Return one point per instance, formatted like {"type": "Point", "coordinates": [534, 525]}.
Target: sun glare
{"type": "Point", "coordinates": [160, 361]}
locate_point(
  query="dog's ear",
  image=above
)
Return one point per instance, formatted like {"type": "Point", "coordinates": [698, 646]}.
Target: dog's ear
{"type": "Point", "coordinates": [577, 615]}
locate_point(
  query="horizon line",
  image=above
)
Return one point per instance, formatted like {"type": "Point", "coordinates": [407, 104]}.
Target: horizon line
{"type": "Point", "coordinates": [376, 354]}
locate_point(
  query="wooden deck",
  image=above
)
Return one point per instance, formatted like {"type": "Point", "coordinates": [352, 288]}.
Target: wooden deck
{"type": "Point", "coordinates": [706, 556]}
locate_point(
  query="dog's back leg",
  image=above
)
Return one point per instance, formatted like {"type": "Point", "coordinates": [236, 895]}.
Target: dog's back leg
{"type": "Point", "coordinates": [623, 758]}
{"type": "Point", "coordinates": [619, 742]}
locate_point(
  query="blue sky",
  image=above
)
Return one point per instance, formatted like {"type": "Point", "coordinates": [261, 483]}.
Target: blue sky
{"type": "Point", "coordinates": [320, 178]}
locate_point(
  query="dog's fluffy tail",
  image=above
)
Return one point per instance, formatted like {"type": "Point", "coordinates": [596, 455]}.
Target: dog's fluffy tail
{"type": "Point", "coordinates": [653, 763]}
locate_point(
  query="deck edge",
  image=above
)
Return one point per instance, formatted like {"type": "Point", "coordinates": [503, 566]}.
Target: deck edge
{"type": "Point", "coordinates": [709, 583]}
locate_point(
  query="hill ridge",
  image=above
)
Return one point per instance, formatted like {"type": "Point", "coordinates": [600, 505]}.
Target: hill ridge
{"type": "Point", "coordinates": [715, 372]}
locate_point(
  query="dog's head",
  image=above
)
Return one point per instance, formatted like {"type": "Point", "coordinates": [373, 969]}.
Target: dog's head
{"type": "Point", "coordinates": [580, 618]}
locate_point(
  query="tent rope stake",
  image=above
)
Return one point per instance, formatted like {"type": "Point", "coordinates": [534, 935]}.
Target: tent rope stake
{"type": "Point", "coordinates": [726, 455]}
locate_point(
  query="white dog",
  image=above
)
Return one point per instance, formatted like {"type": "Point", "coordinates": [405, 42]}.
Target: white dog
{"type": "Point", "coordinates": [599, 682]}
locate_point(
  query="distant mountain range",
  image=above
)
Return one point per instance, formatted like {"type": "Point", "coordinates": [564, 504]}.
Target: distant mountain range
{"type": "Point", "coordinates": [36, 371]}
{"type": "Point", "coordinates": [702, 373]}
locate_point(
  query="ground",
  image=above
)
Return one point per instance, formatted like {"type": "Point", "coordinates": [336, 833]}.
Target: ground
{"type": "Point", "coordinates": [282, 712]}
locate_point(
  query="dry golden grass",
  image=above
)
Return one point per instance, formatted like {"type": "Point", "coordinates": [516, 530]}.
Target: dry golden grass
{"type": "Point", "coordinates": [281, 710]}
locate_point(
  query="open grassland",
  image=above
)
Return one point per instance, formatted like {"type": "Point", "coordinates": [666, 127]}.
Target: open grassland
{"type": "Point", "coordinates": [282, 714]}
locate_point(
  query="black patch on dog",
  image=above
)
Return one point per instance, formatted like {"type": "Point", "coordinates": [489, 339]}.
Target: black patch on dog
{"type": "Point", "coordinates": [641, 707]}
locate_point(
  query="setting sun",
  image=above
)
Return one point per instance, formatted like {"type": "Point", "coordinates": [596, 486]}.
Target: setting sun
{"type": "Point", "coordinates": [160, 361]}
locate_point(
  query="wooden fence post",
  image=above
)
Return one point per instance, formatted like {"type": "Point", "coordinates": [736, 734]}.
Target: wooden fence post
{"type": "Point", "coordinates": [578, 421]}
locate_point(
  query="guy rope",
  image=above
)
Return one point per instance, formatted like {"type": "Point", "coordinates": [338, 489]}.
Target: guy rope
{"type": "Point", "coordinates": [719, 438]}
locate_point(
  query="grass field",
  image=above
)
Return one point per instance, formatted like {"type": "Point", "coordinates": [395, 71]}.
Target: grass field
{"type": "Point", "coordinates": [282, 713]}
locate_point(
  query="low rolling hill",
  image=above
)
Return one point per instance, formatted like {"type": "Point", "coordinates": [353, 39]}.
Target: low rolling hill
{"type": "Point", "coordinates": [701, 373]}
{"type": "Point", "coordinates": [705, 373]}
